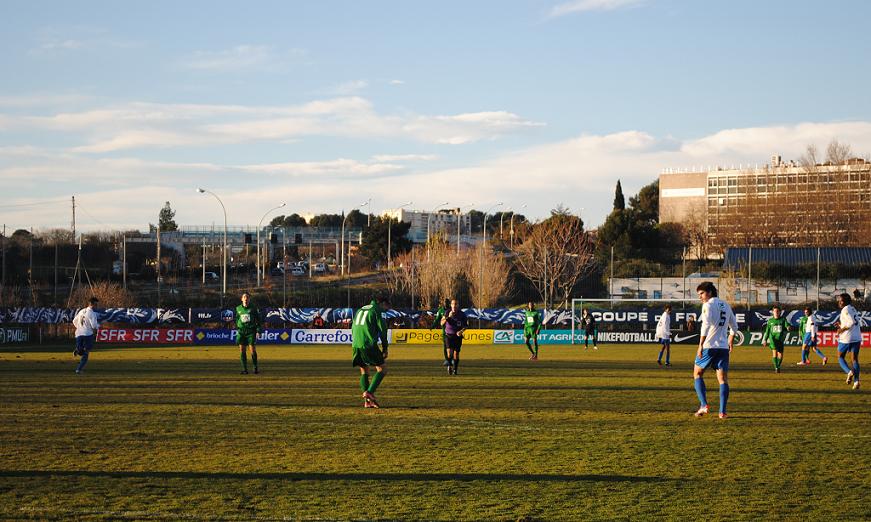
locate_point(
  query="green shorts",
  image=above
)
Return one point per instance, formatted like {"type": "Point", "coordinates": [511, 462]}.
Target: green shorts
{"type": "Point", "coordinates": [367, 356]}
{"type": "Point", "coordinates": [777, 347]}
{"type": "Point", "coordinates": [529, 334]}
{"type": "Point", "coordinates": [246, 339]}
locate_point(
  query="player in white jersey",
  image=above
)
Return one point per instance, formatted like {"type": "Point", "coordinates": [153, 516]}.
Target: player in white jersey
{"type": "Point", "coordinates": [716, 335]}
{"type": "Point", "coordinates": [849, 339]}
{"type": "Point", "coordinates": [663, 335]}
{"type": "Point", "coordinates": [86, 324]}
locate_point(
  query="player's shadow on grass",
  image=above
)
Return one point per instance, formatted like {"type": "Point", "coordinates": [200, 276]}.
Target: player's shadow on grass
{"type": "Point", "coordinates": [337, 477]}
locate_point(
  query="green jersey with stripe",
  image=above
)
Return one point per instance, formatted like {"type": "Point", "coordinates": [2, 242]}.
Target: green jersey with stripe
{"type": "Point", "coordinates": [247, 320]}
{"type": "Point", "coordinates": [368, 327]}
{"type": "Point", "coordinates": [531, 321]}
{"type": "Point", "coordinates": [775, 330]}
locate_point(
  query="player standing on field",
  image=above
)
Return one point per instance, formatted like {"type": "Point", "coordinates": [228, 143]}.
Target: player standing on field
{"type": "Point", "coordinates": [531, 327]}
{"type": "Point", "coordinates": [807, 332]}
{"type": "Point", "coordinates": [716, 335]}
{"type": "Point", "coordinates": [367, 330]}
{"type": "Point", "coordinates": [588, 322]}
{"type": "Point", "coordinates": [455, 324]}
{"type": "Point", "coordinates": [663, 333]}
{"type": "Point", "coordinates": [86, 325]}
{"type": "Point", "coordinates": [775, 331]}
{"type": "Point", "coordinates": [437, 321]}
{"type": "Point", "coordinates": [849, 338]}
{"type": "Point", "coordinates": [248, 325]}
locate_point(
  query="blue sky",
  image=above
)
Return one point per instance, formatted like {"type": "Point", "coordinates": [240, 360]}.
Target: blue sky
{"type": "Point", "coordinates": [325, 104]}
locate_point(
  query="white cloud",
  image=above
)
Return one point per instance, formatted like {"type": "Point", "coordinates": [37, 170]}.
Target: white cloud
{"type": "Point", "coordinates": [405, 157]}
{"type": "Point", "coordinates": [349, 88]}
{"type": "Point", "coordinates": [151, 125]}
{"type": "Point", "coordinates": [240, 57]}
{"type": "Point", "coordinates": [578, 6]}
{"type": "Point", "coordinates": [339, 167]}
{"type": "Point", "coordinates": [397, 82]}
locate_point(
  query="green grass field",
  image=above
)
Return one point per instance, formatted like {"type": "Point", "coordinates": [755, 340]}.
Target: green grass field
{"type": "Point", "coordinates": [177, 433]}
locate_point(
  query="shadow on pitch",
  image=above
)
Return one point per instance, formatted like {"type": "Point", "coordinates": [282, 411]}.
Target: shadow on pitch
{"type": "Point", "coordinates": [336, 477]}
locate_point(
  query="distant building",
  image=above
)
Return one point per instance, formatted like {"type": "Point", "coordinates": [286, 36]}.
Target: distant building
{"type": "Point", "coordinates": [779, 204]}
{"type": "Point", "coordinates": [444, 222]}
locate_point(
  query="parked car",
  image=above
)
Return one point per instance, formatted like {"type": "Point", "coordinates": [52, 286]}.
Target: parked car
{"type": "Point", "coordinates": [211, 276]}
{"type": "Point", "coordinates": [297, 271]}
{"type": "Point", "coordinates": [320, 268]}
{"type": "Point", "coordinates": [277, 272]}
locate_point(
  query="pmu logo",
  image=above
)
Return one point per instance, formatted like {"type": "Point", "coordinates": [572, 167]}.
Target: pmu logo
{"type": "Point", "coordinates": [227, 316]}
{"type": "Point", "coordinates": [503, 337]}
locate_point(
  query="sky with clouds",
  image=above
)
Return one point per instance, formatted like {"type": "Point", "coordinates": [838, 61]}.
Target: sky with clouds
{"type": "Point", "coordinates": [323, 105]}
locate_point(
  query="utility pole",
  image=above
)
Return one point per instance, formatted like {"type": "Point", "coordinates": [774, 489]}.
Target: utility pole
{"type": "Point", "coordinates": [30, 269]}
{"type": "Point", "coordinates": [204, 261]}
{"type": "Point", "coordinates": [124, 262]}
{"type": "Point", "coordinates": [54, 299]}
{"type": "Point", "coordinates": [74, 219]}
{"type": "Point", "coordinates": [3, 277]}
{"type": "Point", "coordinates": [157, 265]}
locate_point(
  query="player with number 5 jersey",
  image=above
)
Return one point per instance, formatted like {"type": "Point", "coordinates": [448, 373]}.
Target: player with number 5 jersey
{"type": "Point", "coordinates": [716, 335]}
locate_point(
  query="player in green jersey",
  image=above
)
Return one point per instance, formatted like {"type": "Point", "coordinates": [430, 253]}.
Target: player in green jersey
{"type": "Point", "coordinates": [367, 330]}
{"type": "Point", "coordinates": [531, 327]}
{"type": "Point", "coordinates": [437, 321]}
{"type": "Point", "coordinates": [248, 325]}
{"type": "Point", "coordinates": [775, 333]}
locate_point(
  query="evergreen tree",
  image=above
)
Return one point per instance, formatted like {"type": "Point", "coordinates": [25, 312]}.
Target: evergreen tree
{"type": "Point", "coordinates": [619, 200]}
{"type": "Point", "coordinates": [166, 221]}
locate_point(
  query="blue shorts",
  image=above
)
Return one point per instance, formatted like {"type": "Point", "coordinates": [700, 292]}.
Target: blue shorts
{"type": "Point", "coordinates": [665, 341]}
{"type": "Point", "coordinates": [84, 343]}
{"type": "Point", "coordinates": [849, 347]}
{"type": "Point", "coordinates": [809, 341]}
{"type": "Point", "coordinates": [716, 358]}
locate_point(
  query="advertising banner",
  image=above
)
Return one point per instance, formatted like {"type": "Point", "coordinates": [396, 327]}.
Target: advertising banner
{"type": "Point", "coordinates": [419, 336]}
{"type": "Point", "coordinates": [146, 335]}
{"type": "Point", "coordinates": [565, 337]}
{"type": "Point", "coordinates": [14, 335]}
{"type": "Point", "coordinates": [212, 336]}
{"type": "Point", "coordinates": [322, 336]}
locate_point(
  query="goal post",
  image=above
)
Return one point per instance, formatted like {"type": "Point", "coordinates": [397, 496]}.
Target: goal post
{"type": "Point", "coordinates": [626, 308]}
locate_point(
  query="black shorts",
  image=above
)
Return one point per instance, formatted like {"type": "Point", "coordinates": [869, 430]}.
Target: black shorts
{"type": "Point", "coordinates": [454, 342]}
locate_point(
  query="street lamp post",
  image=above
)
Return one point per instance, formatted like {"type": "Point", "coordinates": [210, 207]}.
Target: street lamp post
{"type": "Point", "coordinates": [389, 228]}
{"type": "Point", "coordinates": [481, 274]}
{"type": "Point", "coordinates": [259, 226]}
{"type": "Point", "coordinates": [224, 253]}
{"type": "Point", "coordinates": [342, 257]}
{"type": "Point", "coordinates": [511, 232]}
{"type": "Point", "coordinates": [459, 220]}
{"type": "Point", "coordinates": [428, 220]}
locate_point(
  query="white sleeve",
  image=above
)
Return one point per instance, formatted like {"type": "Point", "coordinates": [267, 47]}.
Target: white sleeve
{"type": "Point", "coordinates": [95, 324]}
{"type": "Point", "coordinates": [733, 322]}
{"type": "Point", "coordinates": [707, 325]}
{"type": "Point", "coordinates": [846, 318]}
{"type": "Point", "coordinates": [77, 320]}
{"type": "Point", "coordinates": [667, 324]}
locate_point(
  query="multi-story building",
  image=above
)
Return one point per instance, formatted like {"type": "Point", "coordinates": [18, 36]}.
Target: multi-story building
{"type": "Point", "coordinates": [450, 223]}
{"type": "Point", "coordinates": [779, 204]}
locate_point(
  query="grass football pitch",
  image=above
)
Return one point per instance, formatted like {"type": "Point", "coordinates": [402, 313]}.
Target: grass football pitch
{"type": "Point", "coordinates": [176, 433]}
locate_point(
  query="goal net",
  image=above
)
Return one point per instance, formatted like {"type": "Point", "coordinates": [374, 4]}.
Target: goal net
{"type": "Point", "coordinates": [633, 320]}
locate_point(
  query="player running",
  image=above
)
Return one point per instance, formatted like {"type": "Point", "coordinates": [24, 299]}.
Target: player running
{"type": "Point", "coordinates": [531, 327]}
{"type": "Point", "coordinates": [716, 335]}
{"type": "Point", "coordinates": [367, 330]}
{"type": "Point", "coordinates": [849, 338]}
{"type": "Point", "coordinates": [588, 322]}
{"type": "Point", "coordinates": [455, 324]}
{"type": "Point", "coordinates": [663, 333]}
{"type": "Point", "coordinates": [807, 331]}
{"type": "Point", "coordinates": [437, 321]}
{"type": "Point", "coordinates": [775, 332]}
{"type": "Point", "coordinates": [248, 325]}
{"type": "Point", "coordinates": [86, 325]}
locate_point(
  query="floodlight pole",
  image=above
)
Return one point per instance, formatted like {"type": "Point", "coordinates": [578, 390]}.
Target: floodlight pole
{"type": "Point", "coordinates": [259, 226]}
{"type": "Point", "coordinates": [428, 220]}
{"type": "Point", "coordinates": [224, 253]}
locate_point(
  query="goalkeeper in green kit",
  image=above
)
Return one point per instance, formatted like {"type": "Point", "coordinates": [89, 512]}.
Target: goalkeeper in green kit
{"type": "Point", "coordinates": [775, 333]}
{"type": "Point", "coordinates": [248, 325]}
{"type": "Point", "coordinates": [367, 330]}
{"type": "Point", "coordinates": [531, 327]}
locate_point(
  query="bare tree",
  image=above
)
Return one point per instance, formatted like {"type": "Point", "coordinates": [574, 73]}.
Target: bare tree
{"type": "Point", "coordinates": [488, 274]}
{"type": "Point", "coordinates": [555, 256]}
